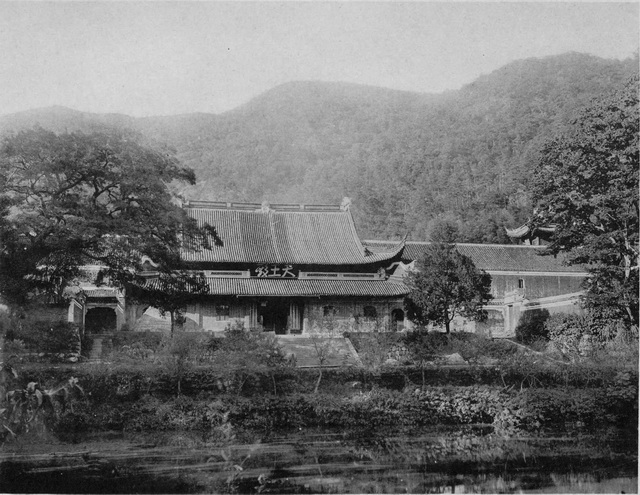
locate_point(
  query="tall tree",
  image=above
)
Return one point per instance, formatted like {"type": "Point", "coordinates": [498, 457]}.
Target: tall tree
{"type": "Point", "coordinates": [586, 184]}
{"type": "Point", "coordinates": [72, 199]}
{"type": "Point", "coordinates": [445, 284]}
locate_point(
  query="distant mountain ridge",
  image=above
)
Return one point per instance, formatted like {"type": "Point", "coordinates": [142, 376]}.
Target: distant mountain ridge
{"type": "Point", "coordinates": [407, 160]}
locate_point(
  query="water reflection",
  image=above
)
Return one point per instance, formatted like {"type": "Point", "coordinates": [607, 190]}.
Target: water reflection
{"type": "Point", "coordinates": [438, 460]}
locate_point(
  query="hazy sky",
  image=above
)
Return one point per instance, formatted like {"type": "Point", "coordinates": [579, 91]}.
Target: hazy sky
{"type": "Point", "coordinates": [151, 58]}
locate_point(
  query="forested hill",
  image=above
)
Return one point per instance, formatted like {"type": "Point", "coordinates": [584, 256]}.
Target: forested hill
{"type": "Point", "coordinates": [405, 159]}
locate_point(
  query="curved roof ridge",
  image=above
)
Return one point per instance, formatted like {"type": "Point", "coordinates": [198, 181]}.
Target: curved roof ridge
{"type": "Point", "coordinates": [384, 256]}
{"type": "Point", "coordinates": [250, 206]}
{"type": "Point", "coordinates": [526, 229]}
{"type": "Point", "coordinates": [518, 231]}
{"type": "Point", "coordinates": [374, 257]}
{"type": "Point", "coordinates": [426, 243]}
{"type": "Point", "coordinates": [399, 246]}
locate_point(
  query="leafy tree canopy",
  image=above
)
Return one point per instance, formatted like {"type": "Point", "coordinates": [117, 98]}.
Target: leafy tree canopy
{"type": "Point", "coordinates": [446, 284]}
{"type": "Point", "coordinates": [73, 199]}
{"type": "Point", "coordinates": [586, 184]}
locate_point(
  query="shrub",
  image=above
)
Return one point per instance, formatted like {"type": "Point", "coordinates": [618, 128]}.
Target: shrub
{"type": "Point", "coordinates": [536, 407]}
{"type": "Point", "coordinates": [61, 337]}
{"type": "Point", "coordinates": [622, 349]}
{"type": "Point", "coordinates": [150, 340]}
{"type": "Point", "coordinates": [581, 335]}
{"type": "Point", "coordinates": [622, 397]}
{"type": "Point", "coordinates": [177, 354]}
{"type": "Point", "coordinates": [14, 347]}
{"type": "Point", "coordinates": [531, 326]}
{"type": "Point", "coordinates": [371, 409]}
{"type": "Point", "coordinates": [137, 352]}
{"type": "Point", "coordinates": [57, 337]}
{"type": "Point", "coordinates": [477, 348]}
{"type": "Point", "coordinates": [6, 326]}
{"type": "Point", "coordinates": [425, 345]}
{"type": "Point", "coordinates": [242, 356]}
{"type": "Point", "coordinates": [86, 344]}
{"type": "Point", "coordinates": [375, 348]}
{"type": "Point", "coordinates": [135, 347]}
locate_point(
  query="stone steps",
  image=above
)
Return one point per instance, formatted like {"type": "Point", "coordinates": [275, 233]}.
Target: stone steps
{"type": "Point", "coordinates": [96, 350]}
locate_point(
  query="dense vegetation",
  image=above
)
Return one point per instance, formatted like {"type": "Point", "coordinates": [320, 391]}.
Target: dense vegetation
{"type": "Point", "coordinates": [586, 184]}
{"type": "Point", "coordinates": [245, 378]}
{"type": "Point", "coordinates": [73, 199]}
{"type": "Point", "coordinates": [398, 155]}
{"type": "Point", "coordinates": [222, 405]}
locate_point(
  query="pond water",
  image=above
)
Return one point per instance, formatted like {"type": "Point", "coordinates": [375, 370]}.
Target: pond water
{"type": "Point", "coordinates": [436, 460]}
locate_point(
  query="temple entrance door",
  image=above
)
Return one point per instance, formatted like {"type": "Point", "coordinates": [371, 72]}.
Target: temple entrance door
{"type": "Point", "coordinates": [397, 320]}
{"type": "Point", "coordinates": [100, 320]}
{"type": "Point", "coordinates": [274, 314]}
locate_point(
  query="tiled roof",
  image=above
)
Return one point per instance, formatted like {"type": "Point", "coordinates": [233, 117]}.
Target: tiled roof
{"type": "Point", "coordinates": [297, 287]}
{"type": "Point", "coordinates": [100, 292]}
{"type": "Point", "coordinates": [524, 230]}
{"type": "Point", "coordinates": [493, 257]}
{"type": "Point", "coordinates": [325, 235]}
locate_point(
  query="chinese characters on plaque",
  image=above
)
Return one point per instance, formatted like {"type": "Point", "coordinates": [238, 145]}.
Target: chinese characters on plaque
{"type": "Point", "coordinates": [275, 271]}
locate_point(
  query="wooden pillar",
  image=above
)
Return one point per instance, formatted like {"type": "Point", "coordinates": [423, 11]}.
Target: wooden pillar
{"type": "Point", "coordinates": [253, 314]}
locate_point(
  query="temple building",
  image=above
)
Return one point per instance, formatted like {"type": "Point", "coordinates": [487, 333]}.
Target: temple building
{"type": "Point", "coordinates": [292, 269]}
{"type": "Point", "coordinates": [302, 269]}
{"type": "Point", "coordinates": [522, 279]}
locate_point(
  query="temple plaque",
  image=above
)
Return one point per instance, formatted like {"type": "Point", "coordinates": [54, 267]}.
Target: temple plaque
{"type": "Point", "coordinates": [275, 271]}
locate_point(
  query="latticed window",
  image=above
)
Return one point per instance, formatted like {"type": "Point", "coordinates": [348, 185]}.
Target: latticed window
{"type": "Point", "coordinates": [222, 312]}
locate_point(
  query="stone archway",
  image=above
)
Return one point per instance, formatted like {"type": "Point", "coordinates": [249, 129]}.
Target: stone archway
{"type": "Point", "coordinates": [100, 320]}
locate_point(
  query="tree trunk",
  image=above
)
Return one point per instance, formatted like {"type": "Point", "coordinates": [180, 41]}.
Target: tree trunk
{"type": "Point", "coordinates": [633, 318]}
{"type": "Point", "coordinates": [315, 391]}
{"type": "Point", "coordinates": [173, 321]}
{"type": "Point", "coordinates": [447, 321]}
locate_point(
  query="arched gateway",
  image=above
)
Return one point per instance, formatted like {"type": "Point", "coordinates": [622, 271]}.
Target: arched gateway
{"type": "Point", "coordinates": [103, 309]}
{"type": "Point", "coordinates": [100, 320]}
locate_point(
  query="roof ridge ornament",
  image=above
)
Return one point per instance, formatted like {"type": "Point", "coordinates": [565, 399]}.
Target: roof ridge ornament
{"type": "Point", "coordinates": [265, 207]}
{"type": "Point", "coordinates": [346, 203]}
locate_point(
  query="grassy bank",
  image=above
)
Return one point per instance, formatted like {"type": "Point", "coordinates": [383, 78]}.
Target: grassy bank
{"type": "Point", "coordinates": [530, 409]}
{"type": "Point", "coordinates": [245, 381]}
{"type": "Point", "coordinates": [144, 399]}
